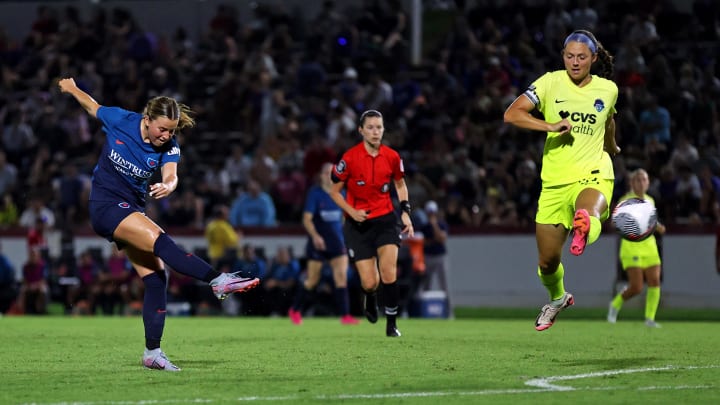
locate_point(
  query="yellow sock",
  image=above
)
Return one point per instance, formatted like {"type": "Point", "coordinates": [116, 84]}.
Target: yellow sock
{"type": "Point", "coordinates": [618, 301]}
{"type": "Point", "coordinates": [554, 282]}
{"type": "Point", "coordinates": [595, 228]}
{"type": "Point", "coordinates": [652, 300]}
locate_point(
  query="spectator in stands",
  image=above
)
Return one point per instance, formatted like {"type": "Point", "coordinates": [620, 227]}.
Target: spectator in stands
{"type": "Point", "coordinates": [419, 186]}
{"type": "Point", "coordinates": [18, 137]}
{"type": "Point", "coordinates": [577, 173]}
{"type": "Point", "coordinates": [317, 153]}
{"type": "Point", "coordinates": [252, 264]}
{"type": "Point", "coordinates": [217, 180]}
{"type": "Point", "coordinates": [8, 211]}
{"type": "Point", "coordinates": [253, 207]}
{"type": "Point", "coordinates": [37, 210]}
{"type": "Point", "coordinates": [83, 296]}
{"type": "Point", "coordinates": [43, 168]}
{"type": "Point", "coordinates": [557, 23]}
{"type": "Point", "coordinates": [684, 153]}
{"type": "Point", "coordinates": [710, 200]}
{"type": "Point", "coordinates": [184, 210]}
{"type": "Point", "coordinates": [8, 175]}
{"type": "Point", "coordinates": [377, 93]}
{"type": "Point", "coordinates": [237, 166]}
{"type": "Point", "coordinates": [654, 122]}
{"type": "Point", "coordinates": [584, 17]}
{"type": "Point", "coordinates": [136, 146]}
{"type": "Point", "coordinates": [220, 235]}
{"type": "Point", "coordinates": [71, 191]}
{"type": "Point", "coordinates": [456, 213]}
{"type": "Point", "coordinates": [118, 284]}
{"type": "Point", "coordinates": [643, 31]}
{"type": "Point", "coordinates": [688, 193]}
{"type": "Point", "coordinates": [33, 296]}
{"type": "Point", "coordinates": [280, 282]}
{"type": "Point", "coordinates": [287, 193]}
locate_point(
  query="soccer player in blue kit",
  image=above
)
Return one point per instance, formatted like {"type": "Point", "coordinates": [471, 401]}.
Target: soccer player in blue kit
{"type": "Point", "coordinates": [136, 146]}
{"type": "Point", "coordinates": [323, 222]}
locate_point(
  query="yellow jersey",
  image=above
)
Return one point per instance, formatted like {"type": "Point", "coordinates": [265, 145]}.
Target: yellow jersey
{"type": "Point", "coordinates": [578, 155]}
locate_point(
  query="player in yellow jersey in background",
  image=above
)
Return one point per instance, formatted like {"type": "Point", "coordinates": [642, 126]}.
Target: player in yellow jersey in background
{"type": "Point", "coordinates": [640, 260]}
{"type": "Point", "coordinates": [577, 173]}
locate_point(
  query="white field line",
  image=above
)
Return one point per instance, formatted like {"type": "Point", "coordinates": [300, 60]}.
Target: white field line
{"type": "Point", "coordinates": [543, 384]}
{"type": "Point", "coordinates": [546, 382]}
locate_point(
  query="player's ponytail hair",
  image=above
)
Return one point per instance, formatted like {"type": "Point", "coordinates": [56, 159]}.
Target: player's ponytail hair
{"type": "Point", "coordinates": [596, 47]}
{"type": "Point", "coordinates": [163, 106]}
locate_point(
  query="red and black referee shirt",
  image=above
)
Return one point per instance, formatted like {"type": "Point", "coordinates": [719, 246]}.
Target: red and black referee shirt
{"type": "Point", "coordinates": [367, 178]}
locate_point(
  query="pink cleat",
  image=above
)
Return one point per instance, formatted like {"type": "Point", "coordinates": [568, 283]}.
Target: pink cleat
{"type": "Point", "coordinates": [228, 283]}
{"type": "Point", "coordinates": [581, 228]}
{"type": "Point", "coordinates": [348, 320]}
{"type": "Point", "coordinates": [295, 316]}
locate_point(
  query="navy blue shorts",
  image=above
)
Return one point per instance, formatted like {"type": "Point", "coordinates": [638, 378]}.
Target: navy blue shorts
{"type": "Point", "coordinates": [364, 238]}
{"type": "Point", "coordinates": [105, 216]}
{"type": "Point", "coordinates": [332, 250]}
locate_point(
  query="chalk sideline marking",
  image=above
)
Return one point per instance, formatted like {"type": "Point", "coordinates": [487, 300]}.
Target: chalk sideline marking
{"type": "Point", "coordinates": [543, 384]}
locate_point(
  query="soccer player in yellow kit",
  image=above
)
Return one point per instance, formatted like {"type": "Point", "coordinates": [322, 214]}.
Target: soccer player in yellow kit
{"type": "Point", "coordinates": [640, 260]}
{"type": "Point", "coordinates": [577, 173]}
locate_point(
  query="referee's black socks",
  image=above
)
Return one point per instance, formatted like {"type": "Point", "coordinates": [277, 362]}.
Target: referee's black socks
{"type": "Point", "coordinates": [390, 297]}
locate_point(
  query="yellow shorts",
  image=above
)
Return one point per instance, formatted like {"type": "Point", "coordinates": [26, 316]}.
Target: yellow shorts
{"type": "Point", "coordinates": [557, 203]}
{"type": "Point", "coordinates": [642, 262]}
{"type": "Point", "coordinates": [641, 254]}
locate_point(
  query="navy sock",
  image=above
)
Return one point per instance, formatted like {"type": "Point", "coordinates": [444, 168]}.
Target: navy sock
{"type": "Point", "coordinates": [154, 308]}
{"type": "Point", "coordinates": [342, 301]}
{"type": "Point", "coordinates": [390, 296]}
{"type": "Point", "coordinates": [299, 301]}
{"type": "Point", "coordinates": [182, 261]}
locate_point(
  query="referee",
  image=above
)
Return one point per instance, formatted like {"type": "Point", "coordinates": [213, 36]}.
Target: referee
{"type": "Point", "coordinates": [372, 231]}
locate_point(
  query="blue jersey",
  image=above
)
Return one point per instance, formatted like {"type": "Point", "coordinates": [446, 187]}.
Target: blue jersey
{"type": "Point", "coordinates": [126, 163]}
{"type": "Point", "coordinates": [327, 218]}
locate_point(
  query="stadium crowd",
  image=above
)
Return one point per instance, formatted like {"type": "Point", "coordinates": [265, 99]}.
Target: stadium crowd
{"type": "Point", "coordinates": [277, 96]}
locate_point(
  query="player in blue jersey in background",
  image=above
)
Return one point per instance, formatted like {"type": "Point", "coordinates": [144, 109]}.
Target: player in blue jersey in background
{"type": "Point", "coordinates": [136, 146]}
{"type": "Point", "coordinates": [323, 221]}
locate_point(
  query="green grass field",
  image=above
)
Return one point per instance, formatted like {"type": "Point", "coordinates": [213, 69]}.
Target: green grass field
{"type": "Point", "coordinates": [96, 360]}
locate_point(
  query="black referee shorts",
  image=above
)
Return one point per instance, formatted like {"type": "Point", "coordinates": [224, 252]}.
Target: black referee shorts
{"type": "Point", "coordinates": [364, 238]}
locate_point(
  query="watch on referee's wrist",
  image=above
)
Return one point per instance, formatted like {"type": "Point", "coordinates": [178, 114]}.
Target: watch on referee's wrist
{"type": "Point", "coordinates": [405, 206]}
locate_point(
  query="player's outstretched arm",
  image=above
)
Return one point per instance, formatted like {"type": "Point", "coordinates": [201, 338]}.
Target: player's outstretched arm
{"type": "Point", "coordinates": [68, 85]}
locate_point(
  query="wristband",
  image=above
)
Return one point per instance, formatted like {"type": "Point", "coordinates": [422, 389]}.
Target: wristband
{"type": "Point", "coordinates": [405, 206]}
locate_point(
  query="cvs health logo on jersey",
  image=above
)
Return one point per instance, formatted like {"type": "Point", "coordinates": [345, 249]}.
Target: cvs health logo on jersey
{"type": "Point", "coordinates": [582, 122]}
